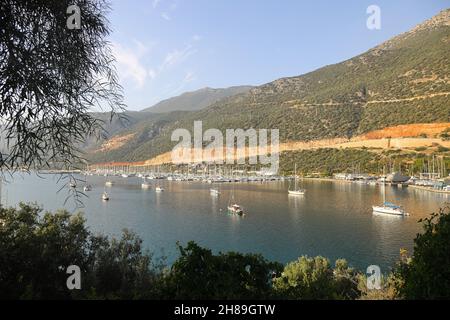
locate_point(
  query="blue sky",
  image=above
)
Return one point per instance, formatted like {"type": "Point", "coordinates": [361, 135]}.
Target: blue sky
{"type": "Point", "coordinates": [166, 47]}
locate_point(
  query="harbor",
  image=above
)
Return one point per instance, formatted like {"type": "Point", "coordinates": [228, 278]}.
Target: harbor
{"type": "Point", "coordinates": [276, 224]}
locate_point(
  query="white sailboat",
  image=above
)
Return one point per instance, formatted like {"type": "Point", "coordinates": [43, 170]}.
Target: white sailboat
{"type": "Point", "coordinates": [87, 186]}
{"type": "Point", "coordinates": [145, 184]}
{"type": "Point", "coordinates": [388, 207]}
{"type": "Point", "coordinates": [233, 207]}
{"type": "Point", "coordinates": [236, 209]}
{"type": "Point", "coordinates": [296, 191]}
{"type": "Point", "coordinates": [214, 191]}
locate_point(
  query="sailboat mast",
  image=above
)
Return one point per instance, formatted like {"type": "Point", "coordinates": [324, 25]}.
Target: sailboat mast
{"type": "Point", "coordinates": [384, 186]}
{"type": "Point", "coordinates": [295, 176]}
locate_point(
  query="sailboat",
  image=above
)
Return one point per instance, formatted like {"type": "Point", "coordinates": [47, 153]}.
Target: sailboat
{"type": "Point", "coordinates": [214, 191]}
{"type": "Point", "coordinates": [233, 207]}
{"type": "Point", "coordinates": [388, 207]}
{"type": "Point", "coordinates": [296, 191]}
{"type": "Point", "coordinates": [87, 186]}
{"type": "Point", "coordinates": [109, 183]}
{"type": "Point", "coordinates": [145, 184]}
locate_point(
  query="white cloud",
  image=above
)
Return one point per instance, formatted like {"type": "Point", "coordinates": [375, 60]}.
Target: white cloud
{"type": "Point", "coordinates": [129, 63]}
{"type": "Point", "coordinates": [165, 16]}
{"type": "Point", "coordinates": [196, 37]}
{"type": "Point", "coordinates": [151, 74]}
{"type": "Point", "coordinates": [189, 77]}
{"type": "Point", "coordinates": [155, 3]}
{"type": "Point", "coordinates": [177, 56]}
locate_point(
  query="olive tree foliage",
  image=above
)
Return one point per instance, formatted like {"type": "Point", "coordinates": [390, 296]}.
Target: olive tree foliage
{"type": "Point", "coordinates": [314, 278]}
{"type": "Point", "coordinates": [426, 274]}
{"type": "Point", "coordinates": [51, 77]}
{"type": "Point", "coordinates": [36, 249]}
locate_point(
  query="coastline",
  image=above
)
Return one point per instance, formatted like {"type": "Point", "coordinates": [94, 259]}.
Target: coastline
{"type": "Point", "coordinates": [429, 189]}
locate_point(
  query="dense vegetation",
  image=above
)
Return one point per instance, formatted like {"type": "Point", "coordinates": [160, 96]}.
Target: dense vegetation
{"type": "Point", "coordinates": [328, 161]}
{"type": "Point", "coordinates": [36, 248]}
{"type": "Point", "coordinates": [368, 92]}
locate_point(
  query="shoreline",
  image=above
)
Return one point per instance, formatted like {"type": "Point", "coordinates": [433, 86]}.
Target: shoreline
{"type": "Point", "coordinates": [429, 189]}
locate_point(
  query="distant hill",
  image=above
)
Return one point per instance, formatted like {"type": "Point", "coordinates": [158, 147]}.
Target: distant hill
{"type": "Point", "coordinates": [405, 80]}
{"type": "Point", "coordinates": [196, 100]}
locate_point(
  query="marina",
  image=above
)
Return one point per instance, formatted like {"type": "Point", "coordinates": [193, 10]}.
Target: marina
{"type": "Point", "coordinates": [279, 226]}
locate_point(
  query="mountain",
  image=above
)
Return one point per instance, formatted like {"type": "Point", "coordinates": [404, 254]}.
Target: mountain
{"type": "Point", "coordinates": [196, 100]}
{"type": "Point", "coordinates": [405, 80]}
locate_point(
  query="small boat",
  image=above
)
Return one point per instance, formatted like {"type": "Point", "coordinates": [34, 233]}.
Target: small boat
{"type": "Point", "coordinates": [87, 188]}
{"type": "Point", "coordinates": [388, 207]}
{"type": "Point", "coordinates": [124, 175]}
{"type": "Point", "coordinates": [296, 191]}
{"type": "Point", "coordinates": [214, 192]}
{"type": "Point", "coordinates": [236, 209]}
{"type": "Point", "coordinates": [159, 189]}
{"type": "Point", "coordinates": [105, 196]}
{"type": "Point", "coordinates": [109, 183]}
{"type": "Point", "coordinates": [145, 185]}
{"type": "Point", "coordinates": [72, 185]}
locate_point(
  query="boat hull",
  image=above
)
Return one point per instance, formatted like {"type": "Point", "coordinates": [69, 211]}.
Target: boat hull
{"type": "Point", "coordinates": [389, 210]}
{"type": "Point", "coordinates": [233, 210]}
{"type": "Point", "coordinates": [296, 192]}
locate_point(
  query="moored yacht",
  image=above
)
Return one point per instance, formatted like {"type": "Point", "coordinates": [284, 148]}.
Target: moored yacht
{"type": "Point", "coordinates": [214, 191]}
{"type": "Point", "coordinates": [236, 209]}
{"type": "Point", "coordinates": [388, 207]}
{"type": "Point", "coordinates": [145, 185]}
{"type": "Point", "coordinates": [296, 191]}
{"type": "Point", "coordinates": [105, 196]}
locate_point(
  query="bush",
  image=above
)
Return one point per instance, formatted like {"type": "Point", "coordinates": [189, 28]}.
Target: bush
{"type": "Point", "coordinates": [426, 275]}
{"type": "Point", "coordinates": [199, 274]}
{"type": "Point", "coordinates": [36, 249]}
{"type": "Point", "coordinates": [313, 278]}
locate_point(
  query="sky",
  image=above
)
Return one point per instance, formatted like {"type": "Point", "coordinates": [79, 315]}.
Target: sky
{"type": "Point", "coordinates": [166, 47]}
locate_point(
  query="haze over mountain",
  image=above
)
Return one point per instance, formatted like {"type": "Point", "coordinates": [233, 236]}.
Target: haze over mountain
{"type": "Point", "coordinates": [196, 100]}
{"type": "Point", "coordinates": [405, 80]}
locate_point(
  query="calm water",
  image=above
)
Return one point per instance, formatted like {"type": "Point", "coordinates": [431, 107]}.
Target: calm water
{"type": "Point", "coordinates": [333, 219]}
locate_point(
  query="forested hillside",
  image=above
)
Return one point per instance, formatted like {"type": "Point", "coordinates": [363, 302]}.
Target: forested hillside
{"type": "Point", "coordinates": [402, 81]}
